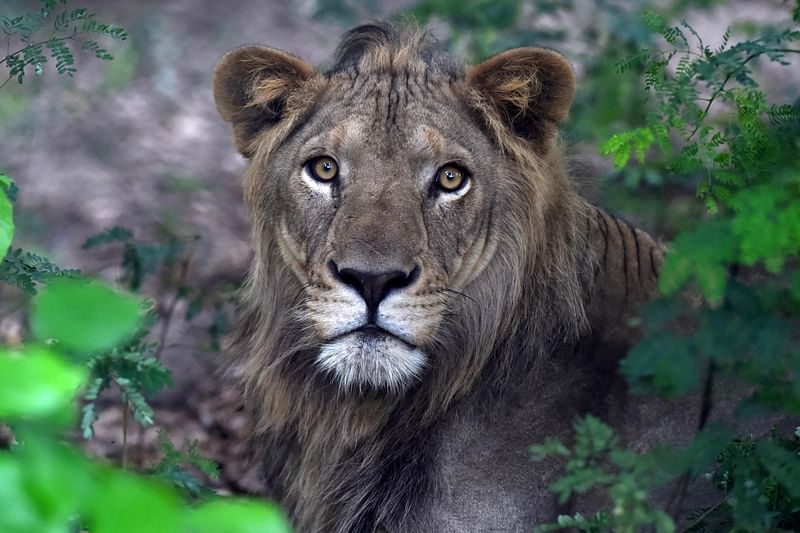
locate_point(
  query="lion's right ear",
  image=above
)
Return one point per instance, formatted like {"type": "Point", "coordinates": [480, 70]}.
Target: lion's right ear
{"type": "Point", "coordinates": [531, 90]}
{"type": "Point", "coordinates": [251, 88]}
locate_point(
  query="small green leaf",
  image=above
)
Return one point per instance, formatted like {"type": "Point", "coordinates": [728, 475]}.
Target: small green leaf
{"type": "Point", "coordinates": [540, 452]}
{"type": "Point", "coordinates": [6, 215]}
{"type": "Point", "coordinates": [634, 142]}
{"type": "Point", "coordinates": [57, 481]}
{"type": "Point", "coordinates": [114, 234]}
{"type": "Point", "coordinates": [663, 363]}
{"type": "Point", "coordinates": [85, 316]}
{"type": "Point", "coordinates": [127, 504]}
{"type": "Point", "coordinates": [37, 384]}
{"type": "Point", "coordinates": [236, 517]}
{"type": "Point", "coordinates": [783, 464]}
{"type": "Point", "coordinates": [701, 255]}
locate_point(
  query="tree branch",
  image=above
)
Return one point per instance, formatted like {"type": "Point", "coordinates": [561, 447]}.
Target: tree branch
{"type": "Point", "coordinates": [704, 515]}
{"type": "Point", "coordinates": [730, 75]}
{"type": "Point", "coordinates": [40, 43]}
{"type": "Point", "coordinates": [679, 493]}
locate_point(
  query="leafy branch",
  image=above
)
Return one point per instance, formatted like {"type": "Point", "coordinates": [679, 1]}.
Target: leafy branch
{"type": "Point", "coordinates": [67, 26]}
{"type": "Point", "coordinates": [719, 91]}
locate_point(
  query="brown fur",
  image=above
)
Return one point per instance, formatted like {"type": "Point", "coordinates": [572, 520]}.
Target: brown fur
{"type": "Point", "coordinates": [363, 460]}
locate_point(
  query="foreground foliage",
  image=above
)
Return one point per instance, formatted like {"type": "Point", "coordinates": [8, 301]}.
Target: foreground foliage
{"type": "Point", "coordinates": [88, 336]}
{"type": "Point", "coordinates": [49, 486]}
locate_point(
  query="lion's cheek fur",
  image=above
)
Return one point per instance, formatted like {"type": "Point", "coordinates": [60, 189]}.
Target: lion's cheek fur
{"type": "Point", "coordinates": [333, 316]}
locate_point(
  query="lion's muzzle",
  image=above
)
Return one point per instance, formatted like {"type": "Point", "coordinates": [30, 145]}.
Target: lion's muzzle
{"type": "Point", "coordinates": [374, 286]}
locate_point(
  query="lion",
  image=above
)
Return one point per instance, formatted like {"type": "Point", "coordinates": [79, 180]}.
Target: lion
{"type": "Point", "coordinates": [429, 293]}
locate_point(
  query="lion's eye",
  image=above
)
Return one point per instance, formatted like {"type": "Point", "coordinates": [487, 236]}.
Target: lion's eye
{"type": "Point", "coordinates": [451, 178]}
{"type": "Point", "coordinates": [324, 169]}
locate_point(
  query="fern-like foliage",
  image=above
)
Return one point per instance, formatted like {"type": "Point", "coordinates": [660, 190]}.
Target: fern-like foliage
{"type": "Point", "coordinates": [134, 370]}
{"type": "Point", "coordinates": [176, 467]}
{"type": "Point", "coordinates": [68, 30]}
{"type": "Point", "coordinates": [28, 271]}
{"type": "Point", "coordinates": [140, 259]}
{"type": "Point", "coordinates": [598, 461]}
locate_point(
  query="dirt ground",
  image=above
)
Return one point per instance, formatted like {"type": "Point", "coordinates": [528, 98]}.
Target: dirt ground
{"type": "Point", "coordinates": [137, 143]}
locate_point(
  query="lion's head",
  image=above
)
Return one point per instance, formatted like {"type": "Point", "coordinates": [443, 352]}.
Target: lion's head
{"type": "Point", "coordinates": [410, 216]}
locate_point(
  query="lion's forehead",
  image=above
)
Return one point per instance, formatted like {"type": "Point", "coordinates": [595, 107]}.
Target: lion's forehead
{"type": "Point", "coordinates": [418, 132]}
{"type": "Point", "coordinates": [423, 144]}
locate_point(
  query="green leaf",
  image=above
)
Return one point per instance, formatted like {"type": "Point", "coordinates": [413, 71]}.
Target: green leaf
{"type": "Point", "coordinates": [703, 451]}
{"type": "Point", "coordinates": [782, 464]}
{"type": "Point", "coordinates": [540, 452]}
{"type": "Point", "coordinates": [88, 413]}
{"type": "Point", "coordinates": [114, 234]}
{"type": "Point", "coordinates": [27, 270]}
{"type": "Point", "coordinates": [236, 517]}
{"type": "Point", "coordinates": [767, 222]}
{"type": "Point", "coordinates": [702, 255]}
{"type": "Point", "coordinates": [172, 467]}
{"type": "Point", "coordinates": [664, 363]}
{"type": "Point", "coordinates": [57, 480]}
{"type": "Point", "coordinates": [622, 145]}
{"type": "Point", "coordinates": [85, 316]}
{"type": "Point", "coordinates": [6, 215]}
{"type": "Point", "coordinates": [36, 384]}
{"type": "Point", "coordinates": [127, 504]}
{"type": "Point", "coordinates": [19, 514]}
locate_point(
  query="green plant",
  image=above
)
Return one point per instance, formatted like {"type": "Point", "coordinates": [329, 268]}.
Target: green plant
{"type": "Point", "coordinates": [47, 485]}
{"type": "Point", "coordinates": [134, 369]}
{"type": "Point", "coordinates": [67, 29]}
{"type": "Point", "coordinates": [7, 195]}
{"type": "Point", "coordinates": [176, 466]}
{"type": "Point", "coordinates": [169, 260]}
{"type": "Point", "coordinates": [26, 270]}
{"type": "Point", "coordinates": [597, 460]}
{"type": "Point", "coordinates": [142, 259]}
{"type": "Point", "coordinates": [712, 123]}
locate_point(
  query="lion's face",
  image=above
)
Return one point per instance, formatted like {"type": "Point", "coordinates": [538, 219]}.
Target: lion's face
{"type": "Point", "coordinates": [386, 214]}
{"type": "Point", "coordinates": [383, 193]}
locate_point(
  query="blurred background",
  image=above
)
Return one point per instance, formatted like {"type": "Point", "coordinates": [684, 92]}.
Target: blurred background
{"type": "Point", "coordinates": [136, 143]}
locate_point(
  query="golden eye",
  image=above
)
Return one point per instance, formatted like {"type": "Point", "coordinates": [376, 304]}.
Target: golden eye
{"type": "Point", "coordinates": [451, 178]}
{"type": "Point", "coordinates": [323, 168]}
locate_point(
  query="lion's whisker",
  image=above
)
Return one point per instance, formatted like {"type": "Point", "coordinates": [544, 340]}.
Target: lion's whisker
{"type": "Point", "coordinates": [459, 293]}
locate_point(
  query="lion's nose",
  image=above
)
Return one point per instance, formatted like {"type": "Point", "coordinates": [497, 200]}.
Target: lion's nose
{"type": "Point", "coordinates": [374, 286]}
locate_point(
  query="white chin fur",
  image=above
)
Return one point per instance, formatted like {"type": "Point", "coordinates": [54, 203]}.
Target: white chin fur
{"type": "Point", "coordinates": [368, 361]}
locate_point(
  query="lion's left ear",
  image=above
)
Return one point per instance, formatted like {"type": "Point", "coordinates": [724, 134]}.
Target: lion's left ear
{"type": "Point", "coordinates": [530, 88]}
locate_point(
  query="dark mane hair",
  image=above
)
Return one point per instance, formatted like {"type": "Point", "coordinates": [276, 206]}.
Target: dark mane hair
{"type": "Point", "coordinates": [378, 44]}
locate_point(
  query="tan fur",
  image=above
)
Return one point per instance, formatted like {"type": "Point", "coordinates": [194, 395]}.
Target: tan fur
{"type": "Point", "coordinates": [525, 259]}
